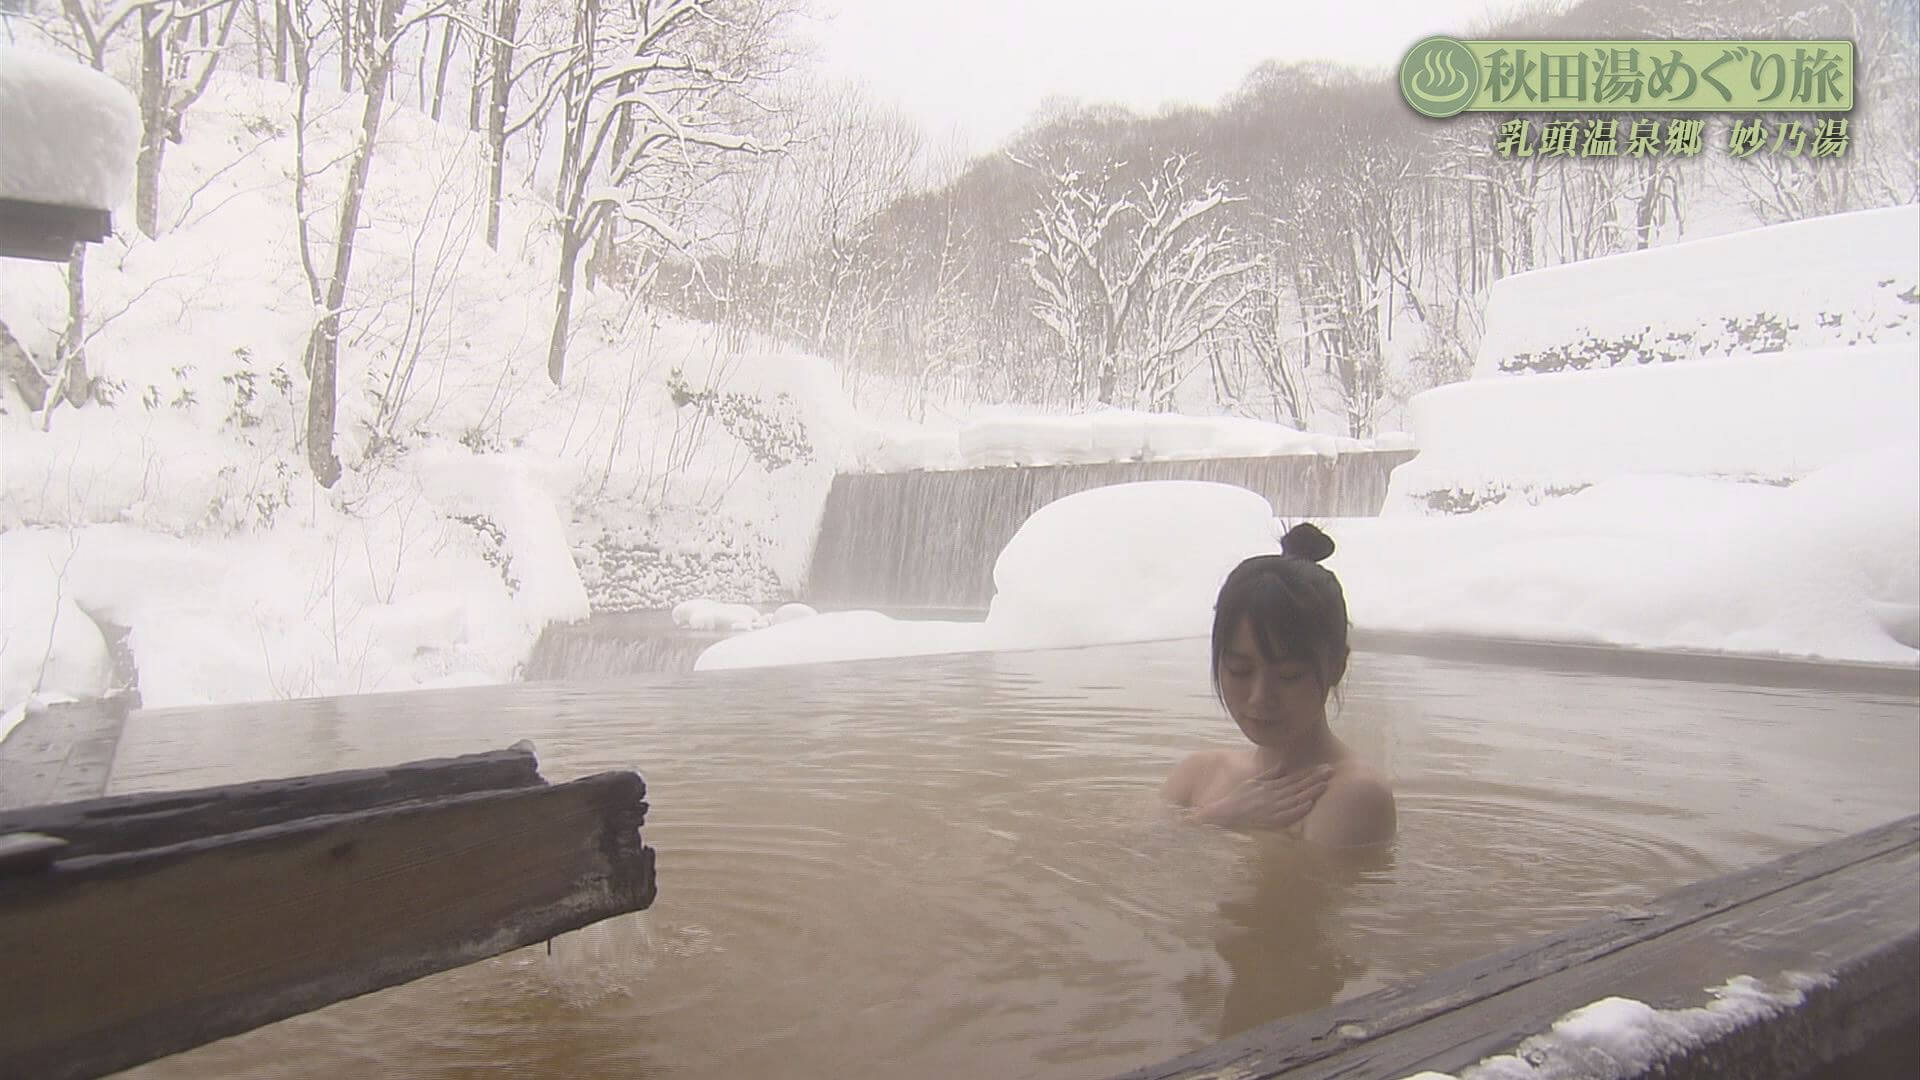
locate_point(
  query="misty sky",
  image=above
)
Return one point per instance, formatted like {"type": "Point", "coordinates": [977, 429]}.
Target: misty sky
{"type": "Point", "coordinates": [977, 70]}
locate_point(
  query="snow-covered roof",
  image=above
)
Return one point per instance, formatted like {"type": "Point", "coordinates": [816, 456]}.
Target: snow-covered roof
{"type": "Point", "coordinates": [71, 133]}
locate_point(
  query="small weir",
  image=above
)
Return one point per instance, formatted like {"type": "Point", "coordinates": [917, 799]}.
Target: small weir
{"type": "Point", "coordinates": [929, 539]}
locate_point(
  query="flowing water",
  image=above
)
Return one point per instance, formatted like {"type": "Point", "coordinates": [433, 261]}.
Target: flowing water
{"type": "Point", "coordinates": [957, 866]}
{"type": "Point", "coordinates": [930, 538]}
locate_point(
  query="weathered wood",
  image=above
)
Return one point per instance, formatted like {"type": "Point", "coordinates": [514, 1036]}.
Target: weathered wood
{"type": "Point", "coordinates": [44, 231]}
{"type": "Point", "coordinates": [1848, 911]}
{"type": "Point", "coordinates": [27, 852]}
{"type": "Point", "coordinates": [155, 819]}
{"type": "Point", "coordinates": [61, 753]}
{"type": "Point", "coordinates": [123, 956]}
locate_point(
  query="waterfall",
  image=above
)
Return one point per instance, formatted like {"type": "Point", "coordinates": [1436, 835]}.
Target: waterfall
{"type": "Point", "coordinates": [929, 539]}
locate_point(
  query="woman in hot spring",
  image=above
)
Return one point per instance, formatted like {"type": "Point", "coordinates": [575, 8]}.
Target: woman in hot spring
{"type": "Point", "coordinates": [1279, 649]}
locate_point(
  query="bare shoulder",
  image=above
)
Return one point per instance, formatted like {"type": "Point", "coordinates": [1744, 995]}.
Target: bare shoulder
{"type": "Point", "coordinates": [1195, 775]}
{"type": "Point", "coordinates": [1357, 810]}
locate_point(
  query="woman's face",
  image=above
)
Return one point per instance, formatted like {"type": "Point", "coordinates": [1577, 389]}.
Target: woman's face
{"type": "Point", "coordinates": [1275, 702]}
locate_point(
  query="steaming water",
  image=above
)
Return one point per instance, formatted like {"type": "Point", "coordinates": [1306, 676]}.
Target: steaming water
{"type": "Point", "coordinates": [956, 866]}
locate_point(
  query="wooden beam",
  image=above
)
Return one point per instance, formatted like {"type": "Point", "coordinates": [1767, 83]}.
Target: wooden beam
{"type": "Point", "coordinates": [154, 819]}
{"type": "Point", "coordinates": [129, 953]}
{"type": "Point", "coordinates": [44, 231]}
{"type": "Point", "coordinates": [1848, 911]}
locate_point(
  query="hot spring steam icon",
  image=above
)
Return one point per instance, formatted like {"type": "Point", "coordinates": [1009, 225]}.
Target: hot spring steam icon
{"type": "Point", "coordinates": [1439, 77]}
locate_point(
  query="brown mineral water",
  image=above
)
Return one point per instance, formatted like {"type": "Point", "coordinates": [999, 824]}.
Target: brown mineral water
{"type": "Point", "coordinates": [958, 866]}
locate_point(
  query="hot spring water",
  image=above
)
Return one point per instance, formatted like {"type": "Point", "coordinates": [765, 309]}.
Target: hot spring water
{"type": "Point", "coordinates": [957, 865]}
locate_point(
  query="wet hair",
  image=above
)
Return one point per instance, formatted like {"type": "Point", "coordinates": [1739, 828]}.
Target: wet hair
{"type": "Point", "coordinates": [1296, 607]}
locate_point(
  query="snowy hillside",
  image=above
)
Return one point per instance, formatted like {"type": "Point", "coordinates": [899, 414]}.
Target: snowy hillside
{"type": "Point", "coordinates": [184, 510]}
{"type": "Point", "coordinates": [1848, 279]}
{"type": "Point", "coordinates": [1793, 347]}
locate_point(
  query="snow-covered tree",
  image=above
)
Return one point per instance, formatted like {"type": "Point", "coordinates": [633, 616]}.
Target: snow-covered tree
{"type": "Point", "coordinates": [1105, 265]}
{"type": "Point", "coordinates": [651, 93]}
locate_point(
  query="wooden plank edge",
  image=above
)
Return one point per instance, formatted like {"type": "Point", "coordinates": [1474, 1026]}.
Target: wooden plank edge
{"type": "Point", "coordinates": [1324, 1033]}
{"type": "Point", "coordinates": [151, 819]}
{"type": "Point", "coordinates": [626, 885]}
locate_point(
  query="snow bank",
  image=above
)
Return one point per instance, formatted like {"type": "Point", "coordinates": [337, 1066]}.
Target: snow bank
{"type": "Point", "coordinates": [1619, 1037]}
{"type": "Point", "coordinates": [1837, 280]}
{"type": "Point", "coordinates": [1130, 562]}
{"type": "Point", "coordinates": [1771, 417]}
{"type": "Point", "coordinates": [999, 439]}
{"type": "Point", "coordinates": [72, 133]}
{"type": "Point", "coordinates": [48, 646]}
{"type": "Point", "coordinates": [1822, 568]}
{"type": "Point", "coordinates": [444, 575]}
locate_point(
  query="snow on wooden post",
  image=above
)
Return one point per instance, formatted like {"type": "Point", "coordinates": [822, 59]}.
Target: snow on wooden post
{"type": "Point", "coordinates": [137, 926]}
{"type": "Point", "coordinates": [71, 135]}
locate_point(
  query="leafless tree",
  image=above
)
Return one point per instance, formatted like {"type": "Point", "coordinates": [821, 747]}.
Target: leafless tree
{"type": "Point", "coordinates": [649, 98]}
{"type": "Point", "coordinates": [378, 30]}
{"type": "Point", "coordinates": [1098, 259]}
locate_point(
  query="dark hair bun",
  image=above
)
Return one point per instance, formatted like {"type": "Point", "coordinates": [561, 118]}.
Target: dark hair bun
{"type": "Point", "coordinates": [1303, 541]}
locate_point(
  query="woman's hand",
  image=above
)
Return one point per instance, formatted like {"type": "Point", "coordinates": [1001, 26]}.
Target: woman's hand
{"type": "Point", "coordinates": [1275, 799]}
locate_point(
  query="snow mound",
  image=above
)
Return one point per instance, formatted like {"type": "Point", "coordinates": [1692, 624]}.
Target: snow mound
{"type": "Point", "coordinates": [1129, 562]}
{"type": "Point", "coordinates": [1838, 280]}
{"type": "Point", "coordinates": [1772, 418]}
{"type": "Point", "coordinates": [72, 133]}
{"type": "Point", "coordinates": [705, 614]}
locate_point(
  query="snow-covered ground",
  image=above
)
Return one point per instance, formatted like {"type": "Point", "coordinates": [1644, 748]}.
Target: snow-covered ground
{"type": "Point", "coordinates": [481, 502]}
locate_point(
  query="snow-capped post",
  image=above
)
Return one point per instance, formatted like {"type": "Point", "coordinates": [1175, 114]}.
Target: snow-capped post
{"type": "Point", "coordinates": [71, 137]}
{"type": "Point", "coordinates": [680, 71]}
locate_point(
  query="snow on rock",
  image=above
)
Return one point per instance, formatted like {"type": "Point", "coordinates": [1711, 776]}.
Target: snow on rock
{"type": "Point", "coordinates": [72, 133]}
{"type": "Point", "coordinates": [1837, 280]}
{"type": "Point", "coordinates": [789, 612]}
{"type": "Point", "coordinates": [1130, 562]}
{"type": "Point", "coordinates": [1774, 418]}
{"type": "Point", "coordinates": [1619, 1037]}
{"type": "Point", "coordinates": [48, 645]}
{"type": "Point", "coordinates": [508, 492]}
{"type": "Point", "coordinates": [705, 614]}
